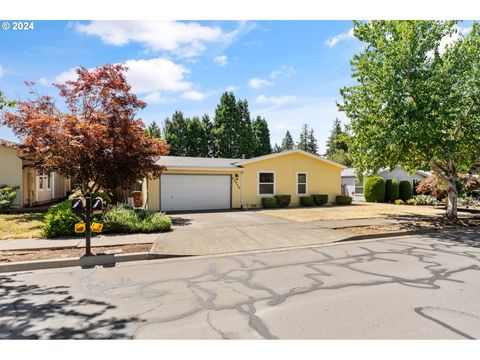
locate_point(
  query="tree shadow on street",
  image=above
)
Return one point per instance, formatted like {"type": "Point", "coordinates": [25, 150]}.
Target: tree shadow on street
{"type": "Point", "coordinates": [30, 311]}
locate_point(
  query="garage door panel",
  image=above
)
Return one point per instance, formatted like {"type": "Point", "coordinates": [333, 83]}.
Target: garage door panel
{"type": "Point", "coordinates": [195, 192]}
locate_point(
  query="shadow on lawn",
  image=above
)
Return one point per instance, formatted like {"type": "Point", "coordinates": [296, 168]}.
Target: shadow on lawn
{"type": "Point", "coordinates": [30, 311]}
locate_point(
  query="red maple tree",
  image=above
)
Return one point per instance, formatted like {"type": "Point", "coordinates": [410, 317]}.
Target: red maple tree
{"type": "Point", "coordinates": [97, 140]}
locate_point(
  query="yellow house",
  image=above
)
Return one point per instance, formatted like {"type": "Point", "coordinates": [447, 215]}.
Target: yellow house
{"type": "Point", "coordinates": [214, 183]}
{"type": "Point", "coordinates": [35, 188]}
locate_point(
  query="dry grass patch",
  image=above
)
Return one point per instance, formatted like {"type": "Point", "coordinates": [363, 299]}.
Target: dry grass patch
{"type": "Point", "coordinates": [20, 226]}
{"type": "Point", "coordinates": [358, 210]}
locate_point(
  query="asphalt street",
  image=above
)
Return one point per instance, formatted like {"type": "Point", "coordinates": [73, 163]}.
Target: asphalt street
{"type": "Point", "coordinates": [413, 287]}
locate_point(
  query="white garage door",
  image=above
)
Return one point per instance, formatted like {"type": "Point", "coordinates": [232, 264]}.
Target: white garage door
{"type": "Point", "coordinates": [194, 192]}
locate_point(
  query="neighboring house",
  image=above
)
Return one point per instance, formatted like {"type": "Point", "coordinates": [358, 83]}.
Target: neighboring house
{"type": "Point", "coordinates": [35, 188]}
{"type": "Point", "coordinates": [354, 187]}
{"type": "Point", "coordinates": [212, 183]}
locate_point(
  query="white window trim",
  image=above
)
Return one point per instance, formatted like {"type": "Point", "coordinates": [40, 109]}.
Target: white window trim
{"type": "Point", "coordinates": [274, 183]}
{"type": "Point", "coordinates": [45, 181]}
{"type": "Point", "coordinates": [297, 183]}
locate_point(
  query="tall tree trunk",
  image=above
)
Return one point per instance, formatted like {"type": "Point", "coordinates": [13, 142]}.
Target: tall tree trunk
{"type": "Point", "coordinates": [447, 173]}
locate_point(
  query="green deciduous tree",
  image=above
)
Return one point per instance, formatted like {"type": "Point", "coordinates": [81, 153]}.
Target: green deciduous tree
{"type": "Point", "coordinates": [416, 101]}
{"type": "Point", "coordinates": [5, 103]}
{"type": "Point", "coordinates": [261, 137]}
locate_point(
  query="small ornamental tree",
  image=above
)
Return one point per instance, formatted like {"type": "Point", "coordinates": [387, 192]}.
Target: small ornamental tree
{"type": "Point", "coordinates": [416, 91]}
{"type": "Point", "coordinates": [98, 141]}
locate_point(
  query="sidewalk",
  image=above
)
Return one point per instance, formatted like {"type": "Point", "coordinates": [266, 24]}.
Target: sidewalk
{"type": "Point", "coordinates": [100, 240]}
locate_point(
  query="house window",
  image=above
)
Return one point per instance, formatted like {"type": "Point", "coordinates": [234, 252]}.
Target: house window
{"type": "Point", "coordinates": [266, 183]}
{"type": "Point", "coordinates": [44, 181]}
{"type": "Point", "coordinates": [301, 183]}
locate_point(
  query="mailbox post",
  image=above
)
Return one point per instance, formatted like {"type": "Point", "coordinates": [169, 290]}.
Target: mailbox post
{"type": "Point", "coordinates": [85, 208]}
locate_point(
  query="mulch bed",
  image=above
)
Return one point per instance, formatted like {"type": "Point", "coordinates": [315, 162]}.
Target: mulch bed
{"type": "Point", "coordinates": [44, 254]}
{"type": "Point", "coordinates": [427, 224]}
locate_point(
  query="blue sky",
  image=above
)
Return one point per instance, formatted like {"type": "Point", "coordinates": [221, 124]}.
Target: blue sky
{"type": "Point", "coordinates": [289, 71]}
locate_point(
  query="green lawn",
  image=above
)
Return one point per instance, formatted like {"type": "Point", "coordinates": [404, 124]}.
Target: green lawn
{"type": "Point", "coordinates": [19, 226]}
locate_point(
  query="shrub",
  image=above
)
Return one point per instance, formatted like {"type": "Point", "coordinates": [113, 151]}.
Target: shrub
{"type": "Point", "coordinates": [343, 200]}
{"type": "Point", "coordinates": [60, 221]}
{"type": "Point", "coordinates": [405, 190]}
{"type": "Point", "coordinates": [374, 189]}
{"type": "Point", "coordinates": [269, 202]}
{"type": "Point", "coordinates": [320, 199]}
{"type": "Point", "coordinates": [425, 200]}
{"type": "Point", "coordinates": [283, 200]}
{"type": "Point", "coordinates": [124, 219]}
{"type": "Point", "coordinates": [399, 202]}
{"type": "Point", "coordinates": [306, 200]}
{"type": "Point", "coordinates": [7, 195]}
{"type": "Point", "coordinates": [391, 190]}
{"type": "Point", "coordinates": [410, 202]}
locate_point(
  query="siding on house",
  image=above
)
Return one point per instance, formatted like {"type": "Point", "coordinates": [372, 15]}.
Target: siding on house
{"type": "Point", "coordinates": [11, 172]}
{"type": "Point", "coordinates": [323, 177]}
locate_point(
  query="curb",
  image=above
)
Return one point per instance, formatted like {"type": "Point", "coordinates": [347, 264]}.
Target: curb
{"type": "Point", "coordinates": [387, 234]}
{"type": "Point", "coordinates": [106, 260]}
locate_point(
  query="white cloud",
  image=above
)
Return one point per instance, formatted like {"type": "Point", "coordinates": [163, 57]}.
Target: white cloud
{"type": "Point", "coordinates": [68, 75]}
{"type": "Point", "coordinates": [221, 60]}
{"type": "Point", "coordinates": [257, 83]}
{"type": "Point", "coordinates": [187, 39]}
{"type": "Point", "coordinates": [284, 70]}
{"type": "Point", "coordinates": [1, 71]}
{"type": "Point", "coordinates": [156, 98]}
{"type": "Point", "coordinates": [334, 40]}
{"type": "Point", "coordinates": [274, 100]}
{"type": "Point", "coordinates": [152, 78]}
{"type": "Point", "coordinates": [231, 88]}
{"type": "Point", "coordinates": [156, 74]}
{"type": "Point", "coordinates": [193, 95]}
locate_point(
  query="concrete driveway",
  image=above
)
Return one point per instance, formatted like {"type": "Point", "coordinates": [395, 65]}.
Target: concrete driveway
{"type": "Point", "coordinates": [232, 231]}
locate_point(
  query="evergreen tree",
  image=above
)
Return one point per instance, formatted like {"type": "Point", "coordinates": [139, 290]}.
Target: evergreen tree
{"type": "Point", "coordinates": [287, 142]}
{"type": "Point", "coordinates": [175, 132]}
{"type": "Point", "coordinates": [261, 137]}
{"type": "Point", "coordinates": [303, 140]}
{"type": "Point", "coordinates": [196, 145]}
{"type": "Point", "coordinates": [312, 143]}
{"type": "Point", "coordinates": [337, 147]}
{"type": "Point", "coordinates": [207, 126]}
{"type": "Point", "coordinates": [226, 127]}
{"type": "Point", "coordinates": [153, 131]}
{"type": "Point", "coordinates": [246, 134]}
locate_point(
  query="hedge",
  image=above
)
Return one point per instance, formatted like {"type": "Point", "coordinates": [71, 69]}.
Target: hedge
{"type": "Point", "coordinates": [343, 200]}
{"type": "Point", "coordinates": [374, 189]}
{"type": "Point", "coordinates": [269, 202]}
{"type": "Point", "coordinates": [320, 199]}
{"type": "Point", "coordinates": [405, 190]}
{"type": "Point", "coordinates": [283, 200]}
{"type": "Point", "coordinates": [306, 200]}
{"type": "Point", "coordinates": [7, 195]}
{"type": "Point", "coordinates": [391, 190]}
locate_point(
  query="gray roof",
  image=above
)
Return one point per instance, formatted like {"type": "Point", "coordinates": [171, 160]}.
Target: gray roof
{"type": "Point", "coordinates": [350, 172]}
{"type": "Point", "coordinates": [197, 162]}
